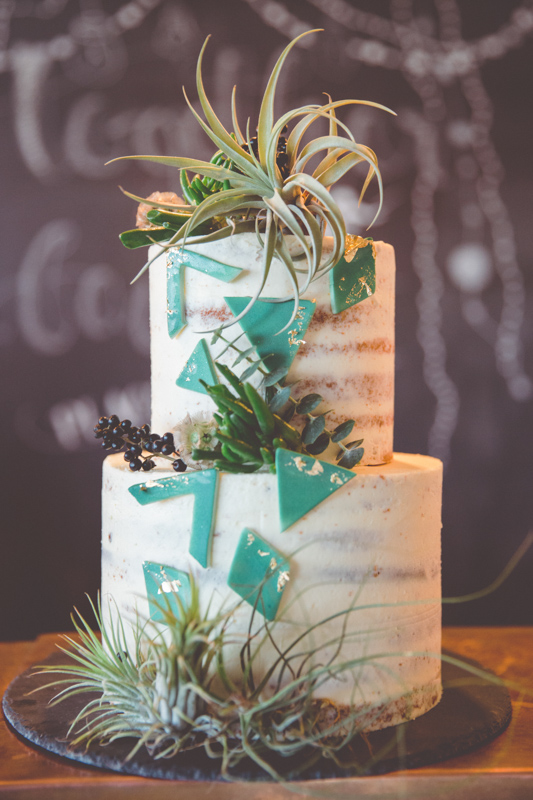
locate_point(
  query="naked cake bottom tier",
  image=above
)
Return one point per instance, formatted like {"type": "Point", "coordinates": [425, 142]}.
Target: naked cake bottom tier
{"type": "Point", "coordinates": [367, 559]}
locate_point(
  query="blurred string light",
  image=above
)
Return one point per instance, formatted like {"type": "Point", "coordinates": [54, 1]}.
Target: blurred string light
{"type": "Point", "coordinates": [92, 32]}
{"type": "Point", "coordinates": [91, 53]}
{"type": "Point", "coordinates": [431, 55]}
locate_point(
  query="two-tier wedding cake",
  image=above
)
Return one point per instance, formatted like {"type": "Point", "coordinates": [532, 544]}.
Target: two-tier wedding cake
{"type": "Point", "coordinates": [271, 484]}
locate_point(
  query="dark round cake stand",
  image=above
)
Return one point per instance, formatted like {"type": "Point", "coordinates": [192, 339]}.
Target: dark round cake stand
{"type": "Point", "coordinates": [472, 712]}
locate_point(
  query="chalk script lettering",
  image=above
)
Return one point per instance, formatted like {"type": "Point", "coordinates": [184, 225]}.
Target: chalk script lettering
{"type": "Point", "coordinates": [57, 298]}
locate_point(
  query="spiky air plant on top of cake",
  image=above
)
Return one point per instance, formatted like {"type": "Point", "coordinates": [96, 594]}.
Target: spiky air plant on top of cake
{"type": "Point", "coordinates": [258, 183]}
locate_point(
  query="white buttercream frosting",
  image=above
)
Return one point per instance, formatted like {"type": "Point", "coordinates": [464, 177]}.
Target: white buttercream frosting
{"type": "Point", "coordinates": [375, 541]}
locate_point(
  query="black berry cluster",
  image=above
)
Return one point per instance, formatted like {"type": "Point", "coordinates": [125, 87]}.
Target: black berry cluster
{"type": "Point", "coordinates": [137, 444]}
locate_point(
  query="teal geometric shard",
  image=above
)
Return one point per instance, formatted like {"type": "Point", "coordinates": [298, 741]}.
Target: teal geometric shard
{"type": "Point", "coordinates": [353, 281]}
{"type": "Point", "coordinates": [266, 319]}
{"type": "Point", "coordinates": [259, 573]}
{"type": "Point", "coordinates": [162, 586]}
{"type": "Point", "coordinates": [175, 297]}
{"type": "Point", "coordinates": [200, 366]}
{"type": "Point", "coordinates": [177, 260]}
{"type": "Point", "coordinates": [303, 483]}
{"type": "Point", "coordinates": [203, 485]}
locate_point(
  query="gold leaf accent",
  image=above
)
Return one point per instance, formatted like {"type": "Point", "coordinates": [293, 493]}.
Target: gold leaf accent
{"type": "Point", "coordinates": [353, 243]}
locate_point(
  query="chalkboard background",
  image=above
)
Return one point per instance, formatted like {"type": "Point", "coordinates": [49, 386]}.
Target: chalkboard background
{"type": "Point", "coordinates": [84, 81]}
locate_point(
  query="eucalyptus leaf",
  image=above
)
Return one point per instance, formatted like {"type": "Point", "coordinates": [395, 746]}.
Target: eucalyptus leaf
{"type": "Point", "coordinates": [308, 403]}
{"type": "Point", "coordinates": [356, 443]}
{"type": "Point", "coordinates": [280, 398]}
{"type": "Point", "coordinates": [319, 445]}
{"type": "Point", "coordinates": [250, 370]}
{"type": "Point", "coordinates": [313, 429]}
{"type": "Point", "coordinates": [244, 354]}
{"type": "Point", "coordinates": [289, 413]}
{"type": "Point", "coordinates": [343, 430]}
{"type": "Point", "coordinates": [275, 377]}
{"type": "Point", "coordinates": [351, 457]}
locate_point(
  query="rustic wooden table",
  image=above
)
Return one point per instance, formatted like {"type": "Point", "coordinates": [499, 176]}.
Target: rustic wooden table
{"type": "Point", "coordinates": [502, 770]}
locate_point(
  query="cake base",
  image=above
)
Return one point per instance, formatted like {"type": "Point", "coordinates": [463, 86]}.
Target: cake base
{"type": "Point", "coordinates": [467, 717]}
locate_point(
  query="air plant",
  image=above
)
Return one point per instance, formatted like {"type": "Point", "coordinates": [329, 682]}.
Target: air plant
{"type": "Point", "coordinates": [247, 186]}
{"type": "Point", "coordinates": [172, 693]}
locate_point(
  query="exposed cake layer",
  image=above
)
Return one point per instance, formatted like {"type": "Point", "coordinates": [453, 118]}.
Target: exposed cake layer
{"type": "Point", "coordinates": [348, 357]}
{"type": "Point", "coordinates": [371, 550]}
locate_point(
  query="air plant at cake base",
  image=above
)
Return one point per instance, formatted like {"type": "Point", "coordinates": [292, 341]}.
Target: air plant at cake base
{"type": "Point", "coordinates": [258, 183]}
{"type": "Point", "coordinates": [249, 431]}
{"type": "Point", "coordinates": [173, 693]}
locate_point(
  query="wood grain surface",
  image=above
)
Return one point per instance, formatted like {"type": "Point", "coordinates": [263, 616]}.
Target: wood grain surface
{"type": "Point", "coordinates": [502, 770]}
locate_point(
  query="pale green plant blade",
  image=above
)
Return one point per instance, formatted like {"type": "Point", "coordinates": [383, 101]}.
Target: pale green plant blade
{"type": "Point", "coordinates": [217, 129]}
{"type": "Point", "coordinates": [333, 119]}
{"type": "Point", "coordinates": [318, 191]}
{"type": "Point", "coordinates": [201, 167]}
{"type": "Point", "coordinates": [268, 253]}
{"type": "Point", "coordinates": [265, 121]}
{"type": "Point", "coordinates": [338, 238]}
{"type": "Point", "coordinates": [328, 161]}
{"type": "Point", "coordinates": [295, 137]}
{"type": "Point", "coordinates": [236, 126]}
{"type": "Point", "coordinates": [369, 176]}
{"type": "Point", "coordinates": [284, 214]}
{"type": "Point", "coordinates": [178, 207]}
{"type": "Point", "coordinates": [233, 150]}
{"type": "Point", "coordinates": [221, 204]}
{"type": "Point", "coordinates": [329, 142]}
{"type": "Point", "coordinates": [335, 172]}
{"type": "Point", "coordinates": [283, 253]}
{"type": "Point", "coordinates": [315, 231]}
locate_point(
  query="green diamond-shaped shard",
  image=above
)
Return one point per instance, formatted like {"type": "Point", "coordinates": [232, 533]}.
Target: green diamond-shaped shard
{"type": "Point", "coordinates": [177, 260]}
{"type": "Point", "coordinates": [164, 585]}
{"type": "Point", "coordinates": [259, 573]}
{"type": "Point", "coordinates": [175, 296]}
{"type": "Point", "coordinates": [199, 367]}
{"type": "Point", "coordinates": [303, 483]}
{"type": "Point", "coordinates": [350, 282]}
{"type": "Point", "coordinates": [203, 485]}
{"type": "Point", "coordinates": [265, 320]}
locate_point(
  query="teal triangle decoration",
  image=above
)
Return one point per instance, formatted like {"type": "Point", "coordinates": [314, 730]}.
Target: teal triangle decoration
{"type": "Point", "coordinates": [163, 587]}
{"type": "Point", "coordinates": [352, 281]}
{"type": "Point", "coordinates": [175, 297]}
{"type": "Point", "coordinates": [203, 485]}
{"type": "Point", "coordinates": [265, 320]}
{"type": "Point", "coordinates": [259, 573]}
{"type": "Point", "coordinates": [199, 366]}
{"type": "Point", "coordinates": [303, 483]}
{"type": "Point", "coordinates": [177, 260]}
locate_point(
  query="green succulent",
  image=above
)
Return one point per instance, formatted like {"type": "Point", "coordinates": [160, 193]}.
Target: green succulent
{"type": "Point", "coordinates": [249, 429]}
{"type": "Point", "coordinates": [258, 195]}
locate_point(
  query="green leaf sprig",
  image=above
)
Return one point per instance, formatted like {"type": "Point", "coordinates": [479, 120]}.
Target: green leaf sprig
{"type": "Point", "coordinates": [315, 436]}
{"type": "Point", "coordinates": [250, 431]}
{"type": "Point", "coordinates": [276, 197]}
